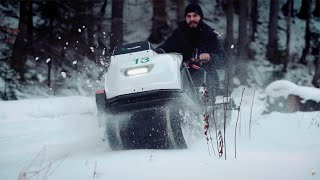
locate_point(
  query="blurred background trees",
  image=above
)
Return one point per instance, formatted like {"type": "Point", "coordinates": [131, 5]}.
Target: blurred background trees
{"type": "Point", "coordinates": [52, 44]}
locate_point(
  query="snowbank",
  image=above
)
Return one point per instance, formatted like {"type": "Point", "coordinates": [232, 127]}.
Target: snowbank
{"type": "Point", "coordinates": [58, 139]}
{"type": "Point", "coordinates": [47, 107]}
{"type": "Point", "coordinates": [283, 88]}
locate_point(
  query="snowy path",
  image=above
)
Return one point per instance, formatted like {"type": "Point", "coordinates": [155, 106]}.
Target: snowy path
{"type": "Point", "coordinates": [64, 131]}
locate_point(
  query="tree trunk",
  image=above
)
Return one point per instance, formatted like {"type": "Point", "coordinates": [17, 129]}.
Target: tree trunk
{"type": "Point", "coordinates": [23, 43]}
{"type": "Point", "coordinates": [316, 77]}
{"type": "Point", "coordinates": [308, 33]}
{"type": "Point", "coordinates": [304, 10]}
{"type": "Point", "coordinates": [254, 18]}
{"type": "Point", "coordinates": [229, 42]}
{"type": "Point", "coordinates": [116, 37]}
{"type": "Point", "coordinates": [194, 1]}
{"type": "Point", "coordinates": [236, 6]}
{"type": "Point", "coordinates": [288, 21]}
{"type": "Point", "coordinates": [285, 8]}
{"type": "Point", "coordinates": [51, 19]}
{"type": "Point", "coordinates": [316, 11]}
{"type": "Point", "coordinates": [159, 21]}
{"type": "Point", "coordinates": [229, 36]}
{"type": "Point", "coordinates": [243, 42]}
{"type": "Point", "coordinates": [49, 73]}
{"type": "Point", "coordinates": [272, 47]}
{"type": "Point", "coordinates": [180, 10]}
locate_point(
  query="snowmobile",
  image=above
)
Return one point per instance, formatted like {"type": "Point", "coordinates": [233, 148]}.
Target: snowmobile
{"type": "Point", "coordinates": [145, 97]}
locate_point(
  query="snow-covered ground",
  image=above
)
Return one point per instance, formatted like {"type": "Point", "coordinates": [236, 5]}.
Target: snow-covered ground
{"type": "Point", "coordinates": [59, 138]}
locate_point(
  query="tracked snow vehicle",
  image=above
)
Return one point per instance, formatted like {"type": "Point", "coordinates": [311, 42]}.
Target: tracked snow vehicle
{"type": "Point", "coordinates": [144, 98]}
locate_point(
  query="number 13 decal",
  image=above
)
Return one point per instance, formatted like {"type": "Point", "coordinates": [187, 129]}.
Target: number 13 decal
{"type": "Point", "coordinates": [142, 60]}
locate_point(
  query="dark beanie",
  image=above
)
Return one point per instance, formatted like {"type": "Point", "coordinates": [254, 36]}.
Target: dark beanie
{"type": "Point", "coordinates": [195, 8]}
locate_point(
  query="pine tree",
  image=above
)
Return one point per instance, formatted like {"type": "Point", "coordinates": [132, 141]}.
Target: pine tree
{"type": "Point", "coordinates": [229, 41]}
{"type": "Point", "coordinates": [159, 22]}
{"type": "Point", "coordinates": [243, 42]}
{"type": "Point", "coordinates": [116, 36]}
{"type": "Point", "coordinates": [316, 77]}
{"type": "Point", "coordinates": [316, 11]}
{"type": "Point", "coordinates": [285, 8]}
{"type": "Point", "coordinates": [254, 15]}
{"type": "Point", "coordinates": [306, 15]}
{"type": "Point", "coordinates": [288, 31]}
{"type": "Point", "coordinates": [304, 10]}
{"type": "Point", "coordinates": [23, 44]}
{"type": "Point", "coordinates": [272, 46]}
{"type": "Point", "coordinates": [180, 10]}
{"type": "Point", "coordinates": [229, 29]}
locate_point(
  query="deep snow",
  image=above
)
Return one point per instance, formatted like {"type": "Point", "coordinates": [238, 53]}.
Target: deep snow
{"type": "Point", "coordinates": [61, 137]}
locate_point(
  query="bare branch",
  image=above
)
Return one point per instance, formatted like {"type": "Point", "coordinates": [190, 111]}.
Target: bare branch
{"type": "Point", "coordinates": [235, 131]}
{"type": "Point", "coordinates": [250, 123]}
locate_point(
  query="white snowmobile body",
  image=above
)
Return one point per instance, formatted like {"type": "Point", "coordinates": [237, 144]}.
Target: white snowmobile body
{"type": "Point", "coordinates": [142, 71]}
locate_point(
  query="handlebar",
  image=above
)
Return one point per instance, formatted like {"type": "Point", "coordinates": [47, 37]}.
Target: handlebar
{"type": "Point", "coordinates": [197, 60]}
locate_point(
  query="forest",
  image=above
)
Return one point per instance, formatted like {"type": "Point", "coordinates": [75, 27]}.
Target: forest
{"type": "Point", "coordinates": [59, 47]}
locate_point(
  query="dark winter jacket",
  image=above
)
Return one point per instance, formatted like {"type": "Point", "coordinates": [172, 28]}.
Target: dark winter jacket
{"type": "Point", "coordinates": [185, 40]}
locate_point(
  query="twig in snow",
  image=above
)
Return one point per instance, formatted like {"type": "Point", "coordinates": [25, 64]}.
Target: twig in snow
{"type": "Point", "coordinates": [151, 156]}
{"type": "Point", "coordinates": [250, 122]}
{"type": "Point", "coordinates": [216, 129]}
{"type": "Point", "coordinates": [46, 170]}
{"type": "Point", "coordinates": [225, 108]}
{"type": "Point", "coordinates": [95, 173]}
{"type": "Point", "coordinates": [221, 146]}
{"type": "Point", "coordinates": [95, 169]}
{"type": "Point", "coordinates": [235, 131]}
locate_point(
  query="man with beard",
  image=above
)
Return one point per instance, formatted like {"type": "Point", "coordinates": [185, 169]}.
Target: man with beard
{"type": "Point", "coordinates": [193, 36]}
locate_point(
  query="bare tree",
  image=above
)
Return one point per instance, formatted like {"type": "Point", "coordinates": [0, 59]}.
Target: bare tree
{"type": "Point", "coordinates": [307, 16]}
{"type": "Point", "coordinates": [229, 41]}
{"type": "Point", "coordinates": [304, 9]}
{"type": "Point", "coordinates": [243, 42]}
{"type": "Point", "coordinates": [288, 31]}
{"type": "Point", "coordinates": [316, 11]}
{"type": "Point", "coordinates": [159, 21]}
{"type": "Point", "coordinates": [254, 15]}
{"type": "Point", "coordinates": [116, 36]}
{"type": "Point", "coordinates": [23, 44]}
{"type": "Point", "coordinates": [316, 77]}
{"type": "Point", "coordinates": [272, 46]}
{"type": "Point", "coordinates": [180, 10]}
{"type": "Point", "coordinates": [285, 8]}
{"type": "Point", "coordinates": [229, 31]}
{"type": "Point", "coordinates": [194, 1]}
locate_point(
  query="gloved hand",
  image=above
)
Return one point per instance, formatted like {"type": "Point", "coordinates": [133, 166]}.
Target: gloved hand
{"type": "Point", "coordinates": [204, 57]}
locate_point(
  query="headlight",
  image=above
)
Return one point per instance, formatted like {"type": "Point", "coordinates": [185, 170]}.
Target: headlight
{"type": "Point", "coordinates": [137, 71]}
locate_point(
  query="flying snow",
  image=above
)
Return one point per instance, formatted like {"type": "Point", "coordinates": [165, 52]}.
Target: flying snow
{"type": "Point", "coordinates": [63, 74]}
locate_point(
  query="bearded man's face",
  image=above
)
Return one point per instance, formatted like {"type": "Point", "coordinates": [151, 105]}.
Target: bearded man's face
{"type": "Point", "coordinates": [193, 19]}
